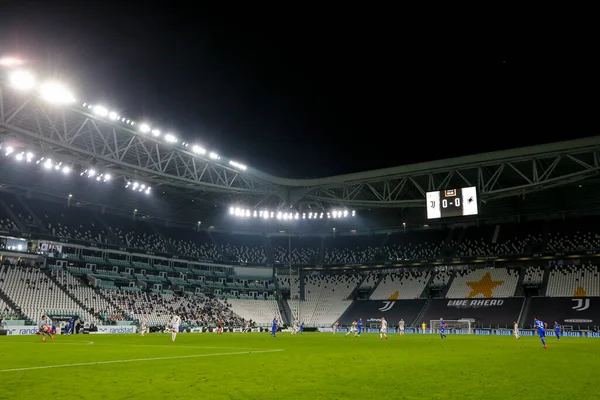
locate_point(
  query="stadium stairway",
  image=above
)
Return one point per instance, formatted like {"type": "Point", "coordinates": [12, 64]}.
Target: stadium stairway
{"type": "Point", "coordinates": [524, 312]}
{"type": "Point", "coordinates": [285, 310]}
{"type": "Point", "coordinates": [417, 322]}
{"type": "Point", "coordinates": [352, 295]}
{"type": "Point", "coordinates": [520, 291]}
{"type": "Point", "coordinates": [266, 242]}
{"type": "Point", "coordinates": [43, 228]}
{"type": "Point", "coordinates": [62, 287]}
{"type": "Point", "coordinates": [449, 284]}
{"type": "Point", "coordinates": [544, 287]}
{"type": "Point", "coordinates": [321, 256]}
{"type": "Point", "coordinates": [20, 225]}
{"type": "Point", "coordinates": [11, 304]}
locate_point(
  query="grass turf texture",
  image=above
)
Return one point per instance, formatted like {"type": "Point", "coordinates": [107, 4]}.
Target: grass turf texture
{"type": "Point", "coordinates": [311, 365]}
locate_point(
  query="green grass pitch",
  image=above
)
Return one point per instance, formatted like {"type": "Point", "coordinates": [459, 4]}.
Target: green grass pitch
{"type": "Point", "coordinates": [307, 366]}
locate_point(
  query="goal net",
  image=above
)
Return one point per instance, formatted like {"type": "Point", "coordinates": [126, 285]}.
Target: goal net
{"type": "Point", "coordinates": [462, 325]}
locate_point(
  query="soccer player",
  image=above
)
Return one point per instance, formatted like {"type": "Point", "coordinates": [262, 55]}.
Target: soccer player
{"type": "Point", "coordinates": [144, 327]}
{"type": "Point", "coordinates": [45, 328]}
{"type": "Point", "coordinates": [274, 327]}
{"type": "Point", "coordinates": [175, 322]}
{"type": "Point", "coordinates": [442, 328]}
{"type": "Point", "coordinates": [541, 328]}
{"type": "Point", "coordinates": [401, 327]}
{"type": "Point", "coordinates": [336, 326]}
{"type": "Point", "coordinates": [383, 329]}
{"type": "Point", "coordinates": [353, 328]}
{"type": "Point", "coordinates": [301, 327]}
{"type": "Point", "coordinates": [557, 329]}
{"type": "Point", "coordinates": [360, 326]}
{"type": "Point", "coordinates": [516, 331]}
{"type": "Point", "coordinates": [247, 327]}
{"type": "Point", "coordinates": [423, 327]}
{"type": "Point", "coordinates": [295, 327]}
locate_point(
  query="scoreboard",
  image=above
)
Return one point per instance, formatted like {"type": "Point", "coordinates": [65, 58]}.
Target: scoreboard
{"type": "Point", "coordinates": [452, 203]}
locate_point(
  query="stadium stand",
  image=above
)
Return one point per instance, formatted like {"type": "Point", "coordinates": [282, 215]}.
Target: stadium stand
{"type": "Point", "coordinates": [484, 282]}
{"type": "Point", "coordinates": [325, 299]}
{"type": "Point", "coordinates": [304, 250]}
{"type": "Point", "coordinates": [408, 285]}
{"type": "Point", "coordinates": [6, 223]}
{"type": "Point", "coordinates": [37, 294]}
{"type": "Point", "coordinates": [534, 275]}
{"type": "Point", "coordinates": [574, 281]}
{"type": "Point", "coordinates": [246, 249]}
{"type": "Point", "coordinates": [352, 249]}
{"type": "Point", "coordinates": [259, 311]}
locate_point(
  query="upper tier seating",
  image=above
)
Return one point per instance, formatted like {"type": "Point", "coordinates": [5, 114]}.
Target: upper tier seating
{"type": "Point", "coordinates": [407, 285]}
{"type": "Point", "coordinates": [191, 243]}
{"type": "Point", "coordinates": [135, 234]}
{"type": "Point", "coordinates": [69, 222]}
{"type": "Point", "coordinates": [352, 249]}
{"type": "Point", "coordinates": [305, 250]}
{"type": "Point", "coordinates": [484, 283]}
{"type": "Point", "coordinates": [574, 281]}
{"type": "Point", "coordinates": [241, 248]}
{"type": "Point", "coordinates": [414, 246]}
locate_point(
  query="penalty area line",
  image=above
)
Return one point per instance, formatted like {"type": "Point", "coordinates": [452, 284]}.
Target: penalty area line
{"type": "Point", "coordinates": [138, 360]}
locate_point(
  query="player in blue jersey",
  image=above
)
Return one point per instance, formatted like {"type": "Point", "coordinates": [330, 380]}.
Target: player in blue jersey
{"type": "Point", "coordinates": [301, 327]}
{"type": "Point", "coordinates": [541, 328]}
{"type": "Point", "coordinates": [442, 328]}
{"type": "Point", "coordinates": [360, 326]}
{"type": "Point", "coordinates": [557, 329]}
{"type": "Point", "coordinates": [274, 327]}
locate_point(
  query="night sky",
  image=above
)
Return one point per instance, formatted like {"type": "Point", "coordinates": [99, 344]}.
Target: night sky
{"type": "Point", "coordinates": [309, 93]}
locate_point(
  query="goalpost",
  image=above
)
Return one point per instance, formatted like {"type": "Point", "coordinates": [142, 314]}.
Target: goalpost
{"type": "Point", "coordinates": [463, 325]}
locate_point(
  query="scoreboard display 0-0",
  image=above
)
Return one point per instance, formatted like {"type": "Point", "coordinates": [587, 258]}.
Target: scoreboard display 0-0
{"type": "Point", "coordinates": [452, 203]}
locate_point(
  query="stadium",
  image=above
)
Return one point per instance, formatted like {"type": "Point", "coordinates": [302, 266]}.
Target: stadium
{"type": "Point", "coordinates": [108, 224]}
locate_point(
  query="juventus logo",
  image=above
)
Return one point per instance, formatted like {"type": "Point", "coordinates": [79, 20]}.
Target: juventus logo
{"type": "Point", "coordinates": [582, 304]}
{"type": "Point", "coordinates": [387, 306]}
{"type": "Point", "coordinates": [432, 202]}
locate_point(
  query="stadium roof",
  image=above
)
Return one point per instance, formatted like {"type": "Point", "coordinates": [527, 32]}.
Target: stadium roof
{"type": "Point", "coordinates": [86, 137]}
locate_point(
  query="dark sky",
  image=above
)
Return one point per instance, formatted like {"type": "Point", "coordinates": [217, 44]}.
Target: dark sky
{"type": "Point", "coordinates": [313, 92]}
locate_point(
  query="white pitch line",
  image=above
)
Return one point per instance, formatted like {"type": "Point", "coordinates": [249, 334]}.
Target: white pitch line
{"type": "Point", "coordinates": [137, 360]}
{"type": "Point", "coordinates": [86, 343]}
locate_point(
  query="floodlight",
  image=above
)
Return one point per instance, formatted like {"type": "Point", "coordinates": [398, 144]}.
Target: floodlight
{"type": "Point", "coordinates": [353, 213]}
{"type": "Point", "coordinates": [113, 116]}
{"type": "Point", "coordinates": [22, 80]}
{"type": "Point", "coordinates": [10, 61]}
{"type": "Point", "coordinates": [279, 215]}
{"type": "Point", "coordinates": [144, 128]}
{"type": "Point", "coordinates": [297, 216]}
{"type": "Point", "coordinates": [107, 177]}
{"type": "Point", "coordinates": [214, 156]}
{"type": "Point", "coordinates": [247, 213]}
{"type": "Point", "coordinates": [345, 213]}
{"type": "Point", "coordinates": [101, 111]}
{"type": "Point", "coordinates": [147, 191]}
{"type": "Point", "coordinates": [231, 210]}
{"type": "Point", "coordinates": [198, 150]}
{"type": "Point", "coordinates": [9, 150]}
{"type": "Point", "coordinates": [91, 173]}
{"type": "Point", "coordinates": [170, 138]}
{"type": "Point", "coordinates": [66, 170]}
{"type": "Point", "coordinates": [48, 164]}
{"type": "Point", "coordinates": [303, 215]}
{"type": "Point", "coordinates": [56, 93]}
{"type": "Point", "coordinates": [156, 132]}
{"type": "Point", "coordinates": [19, 157]}
{"type": "Point", "coordinates": [237, 165]}
{"type": "Point", "coordinates": [255, 214]}
{"type": "Point", "coordinates": [29, 156]}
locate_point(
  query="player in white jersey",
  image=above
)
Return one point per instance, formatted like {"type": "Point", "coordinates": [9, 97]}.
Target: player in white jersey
{"type": "Point", "coordinates": [175, 322]}
{"type": "Point", "coordinates": [45, 327]}
{"type": "Point", "coordinates": [353, 328]}
{"type": "Point", "coordinates": [516, 331]}
{"type": "Point", "coordinates": [336, 326]}
{"type": "Point", "coordinates": [295, 327]}
{"type": "Point", "coordinates": [246, 327]}
{"type": "Point", "coordinates": [383, 329]}
{"type": "Point", "coordinates": [401, 327]}
{"type": "Point", "coordinates": [144, 327]}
